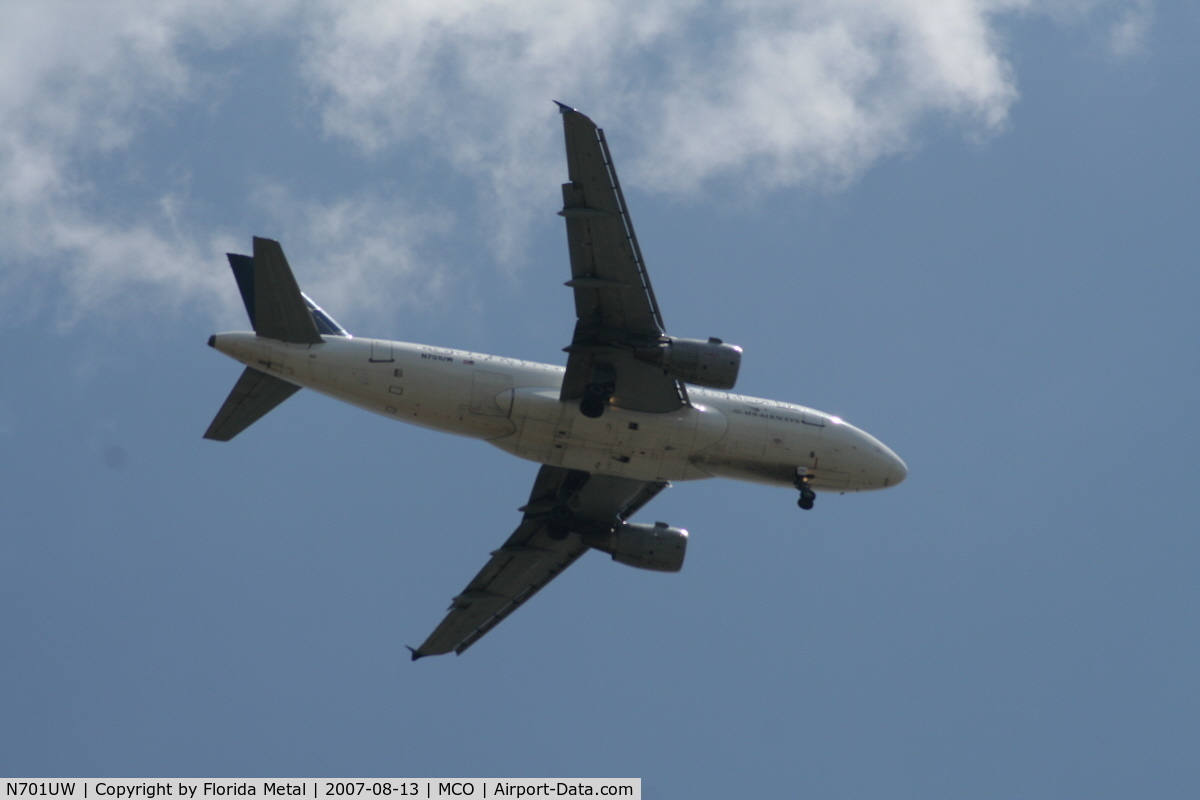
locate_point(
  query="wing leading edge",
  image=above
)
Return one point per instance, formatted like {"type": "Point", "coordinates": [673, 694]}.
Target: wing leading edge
{"type": "Point", "coordinates": [614, 302]}
{"type": "Point", "coordinates": [565, 508]}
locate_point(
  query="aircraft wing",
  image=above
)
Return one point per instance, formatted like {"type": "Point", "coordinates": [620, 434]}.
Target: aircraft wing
{"type": "Point", "coordinates": [614, 302]}
{"type": "Point", "coordinates": [564, 507]}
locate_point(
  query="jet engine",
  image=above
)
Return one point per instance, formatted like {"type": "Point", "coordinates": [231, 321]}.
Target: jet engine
{"type": "Point", "coordinates": [658, 547]}
{"type": "Point", "coordinates": [712, 364]}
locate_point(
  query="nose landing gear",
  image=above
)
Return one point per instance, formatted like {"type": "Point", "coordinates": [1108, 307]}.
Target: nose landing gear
{"type": "Point", "coordinates": [807, 495]}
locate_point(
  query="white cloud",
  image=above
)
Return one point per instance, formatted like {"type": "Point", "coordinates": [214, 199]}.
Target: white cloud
{"type": "Point", "coordinates": [1129, 34]}
{"type": "Point", "coordinates": [792, 91]}
{"type": "Point", "coordinates": [773, 93]}
{"type": "Point", "coordinates": [77, 80]}
{"type": "Point", "coordinates": [361, 253]}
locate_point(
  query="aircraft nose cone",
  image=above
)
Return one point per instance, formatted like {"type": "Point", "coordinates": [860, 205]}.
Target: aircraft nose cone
{"type": "Point", "coordinates": [871, 463]}
{"type": "Point", "coordinates": [899, 470]}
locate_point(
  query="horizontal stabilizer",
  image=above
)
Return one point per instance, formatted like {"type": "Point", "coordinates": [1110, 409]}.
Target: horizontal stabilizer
{"type": "Point", "coordinates": [253, 396]}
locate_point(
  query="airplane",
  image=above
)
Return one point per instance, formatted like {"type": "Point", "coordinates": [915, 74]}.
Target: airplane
{"type": "Point", "coordinates": [633, 409]}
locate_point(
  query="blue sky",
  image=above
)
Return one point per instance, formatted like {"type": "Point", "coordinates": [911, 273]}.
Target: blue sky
{"type": "Point", "coordinates": [967, 227]}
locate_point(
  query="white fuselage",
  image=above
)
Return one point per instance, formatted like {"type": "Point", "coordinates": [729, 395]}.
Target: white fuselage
{"type": "Point", "coordinates": [515, 405]}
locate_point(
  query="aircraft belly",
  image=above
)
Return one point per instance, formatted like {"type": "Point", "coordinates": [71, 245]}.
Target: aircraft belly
{"type": "Point", "coordinates": [630, 444]}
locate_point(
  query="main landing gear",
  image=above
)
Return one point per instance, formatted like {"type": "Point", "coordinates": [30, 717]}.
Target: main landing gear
{"type": "Point", "coordinates": [558, 527]}
{"type": "Point", "coordinates": [598, 390]}
{"type": "Point", "coordinates": [595, 399]}
{"type": "Point", "coordinates": [807, 495]}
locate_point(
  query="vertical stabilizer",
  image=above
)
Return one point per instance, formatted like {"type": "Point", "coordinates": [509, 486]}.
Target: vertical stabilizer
{"type": "Point", "coordinates": [243, 271]}
{"type": "Point", "coordinates": [279, 308]}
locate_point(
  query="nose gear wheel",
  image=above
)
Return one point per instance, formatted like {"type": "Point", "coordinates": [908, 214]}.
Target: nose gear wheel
{"type": "Point", "coordinates": [807, 495]}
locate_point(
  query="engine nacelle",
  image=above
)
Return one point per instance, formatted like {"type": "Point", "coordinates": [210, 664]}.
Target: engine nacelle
{"type": "Point", "coordinates": [658, 547]}
{"type": "Point", "coordinates": [713, 364]}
